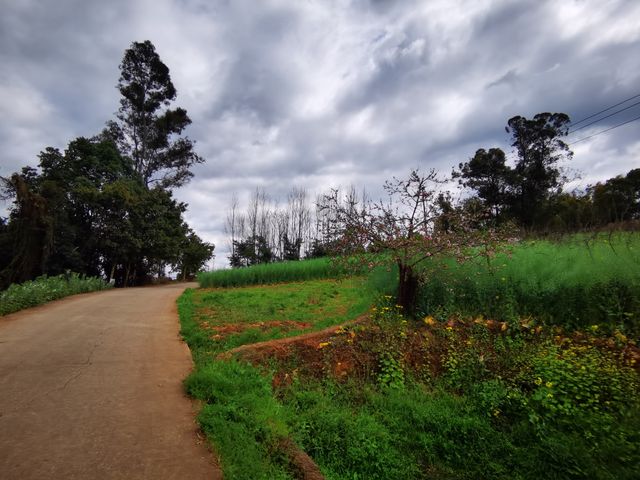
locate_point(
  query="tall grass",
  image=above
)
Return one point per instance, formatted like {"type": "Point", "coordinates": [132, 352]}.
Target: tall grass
{"type": "Point", "coordinates": [293, 271]}
{"type": "Point", "coordinates": [45, 289]}
{"type": "Point", "coordinates": [576, 283]}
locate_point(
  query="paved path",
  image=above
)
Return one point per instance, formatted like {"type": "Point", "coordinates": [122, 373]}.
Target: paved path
{"type": "Point", "coordinates": [90, 387]}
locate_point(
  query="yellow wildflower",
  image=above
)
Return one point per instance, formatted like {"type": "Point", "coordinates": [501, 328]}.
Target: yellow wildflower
{"type": "Point", "coordinates": [549, 384]}
{"type": "Point", "coordinates": [620, 336]}
{"type": "Point", "coordinates": [323, 344]}
{"type": "Point", "coordinates": [429, 320]}
{"type": "Point", "coordinates": [538, 381]}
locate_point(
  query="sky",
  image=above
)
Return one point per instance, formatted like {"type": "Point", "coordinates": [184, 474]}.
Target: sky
{"type": "Point", "coordinates": [320, 93]}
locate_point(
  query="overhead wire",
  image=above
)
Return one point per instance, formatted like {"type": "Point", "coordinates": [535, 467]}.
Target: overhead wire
{"type": "Point", "coordinates": [514, 156]}
{"type": "Point", "coordinates": [602, 118]}
{"type": "Point", "coordinates": [605, 110]}
{"type": "Point", "coordinates": [605, 130]}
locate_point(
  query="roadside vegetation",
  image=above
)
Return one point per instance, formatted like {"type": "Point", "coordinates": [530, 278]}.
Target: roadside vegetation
{"type": "Point", "coordinates": [577, 282]}
{"type": "Point", "coordinates": [240, 416]}
{"type": "Point", "coordinates": [45, 289]}
{"type": "Point", "coordinates": [104, 206]}
{"type": "Point", "coordinates": [462, 389]}
{"type": "Point", "coordinates": [266, 273]}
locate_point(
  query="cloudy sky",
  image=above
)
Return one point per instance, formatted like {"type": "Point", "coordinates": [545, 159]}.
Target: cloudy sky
{"type": "Point", "coordinates": [320, 93]}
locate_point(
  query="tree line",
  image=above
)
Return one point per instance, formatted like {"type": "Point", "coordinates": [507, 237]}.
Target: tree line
{"type": "Point", "coordinates": [530, 192]}
{"type": "Point", "coordinates": [104, 206]}
{"type": "Point", "coordinates": [526, 194]}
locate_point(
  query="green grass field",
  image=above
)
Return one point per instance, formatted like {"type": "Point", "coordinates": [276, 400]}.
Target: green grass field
{"type": "Point", "coordinates": [292, 271]}
{"type": "Point", "coordinates": [462, 398]}
{"type": "Point", "coordinates": [241, 416]}
{"type": "Point", "coordinates": [244, 315]}
{"type": "Point", "coordinates": [576, 283]}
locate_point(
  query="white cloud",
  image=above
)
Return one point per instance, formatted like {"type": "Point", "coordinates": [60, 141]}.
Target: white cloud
{"type": "Point", "coordinates": [320, 93]}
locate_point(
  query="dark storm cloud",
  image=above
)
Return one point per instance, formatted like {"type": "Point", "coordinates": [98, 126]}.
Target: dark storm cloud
{"type": "Point", "coordinates": [319, 93]}
{"type": "Point", "coordinates": [258, 80]}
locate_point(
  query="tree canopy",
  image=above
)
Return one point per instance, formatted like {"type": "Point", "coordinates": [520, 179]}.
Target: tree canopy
{"type": "Point", "coordinates": [147, 130]}
{"type": "Point", "coordinates": [521, 192]}
{"type": "Point", "coordinates": [104, 206]}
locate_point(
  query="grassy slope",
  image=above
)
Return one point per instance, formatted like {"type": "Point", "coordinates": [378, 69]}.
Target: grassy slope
{"type": "Point", "coordinates": [277, 311]}
{"type": "Point", "coordinates": [502, 405]}
{"type": "Point", "coordinates": [241, 417]}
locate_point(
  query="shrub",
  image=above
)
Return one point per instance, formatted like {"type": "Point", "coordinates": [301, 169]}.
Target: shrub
{"type": "Point", "coordinates": [45, 289]}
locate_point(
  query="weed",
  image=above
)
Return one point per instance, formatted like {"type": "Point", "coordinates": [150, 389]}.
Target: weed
{"type": "Point", "coordinates": [485, 398]}
{"type": "Point", "coordinates": [45, 289]}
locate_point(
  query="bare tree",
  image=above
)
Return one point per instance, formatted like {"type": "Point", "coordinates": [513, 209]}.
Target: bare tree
{"type": "Point", "coordinates": [406, 230]}
{"type": "Point", "coordinates": [231, 227]}
{"type": "Point", "coordinates": [299, 220]}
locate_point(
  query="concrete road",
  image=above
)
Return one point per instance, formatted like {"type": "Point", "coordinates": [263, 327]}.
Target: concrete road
{"type": "Point", "coordinates": [90, 388]}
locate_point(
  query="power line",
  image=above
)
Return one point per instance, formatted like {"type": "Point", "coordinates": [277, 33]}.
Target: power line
{"type": "Point", "coordinates": [605, 130]}
{"type": "Point", "coordinates": [605, 110]}
{"type": "Point", "coordinates": [606, 116]}
{"type": "Point", "coordinates": [514, 156]}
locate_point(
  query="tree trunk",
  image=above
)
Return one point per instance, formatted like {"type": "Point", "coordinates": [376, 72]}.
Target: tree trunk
{"type": "Point", "coordinates": [407, 288]}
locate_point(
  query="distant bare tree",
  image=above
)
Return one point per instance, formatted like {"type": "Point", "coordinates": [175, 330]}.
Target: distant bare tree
{"type": "Point", "coordinates": [231, 227]}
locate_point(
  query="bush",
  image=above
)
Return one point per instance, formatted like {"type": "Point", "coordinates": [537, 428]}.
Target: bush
{"type": "Point", "coordinates": [45, 289]}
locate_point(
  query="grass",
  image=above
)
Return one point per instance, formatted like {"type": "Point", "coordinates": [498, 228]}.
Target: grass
{"type": "Point", "coordinates": [240, 416]}
{"type": "Point", "coordinates": [293, 271]}
{"type": "Point", "coordinates": [472, 400]}
{"type": "Point", "coordinates": [239, 316]}
{"type": "Point", "coordinates": [551, 392]}
{"type": "Point", "coordinates": [576, 283]}
{"type": "Point", "coordinates": [45, 289]}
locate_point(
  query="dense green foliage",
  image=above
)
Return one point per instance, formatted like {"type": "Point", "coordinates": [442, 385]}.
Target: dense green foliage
{"type": "Point", "coordinates": [522, 191]}
{"type": "Point", "coordinates": [575, 283]}
{"type": "Point", "coordinates": [147, 131]}
{"type": "Point", "coordinates": [91, 208]}
{"type": "Point", "coordinates": [44, 289]}
{"type": "Point", "coordinates": [530, 191]}
{"type": "Point", "coordinates": [291, 271]}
